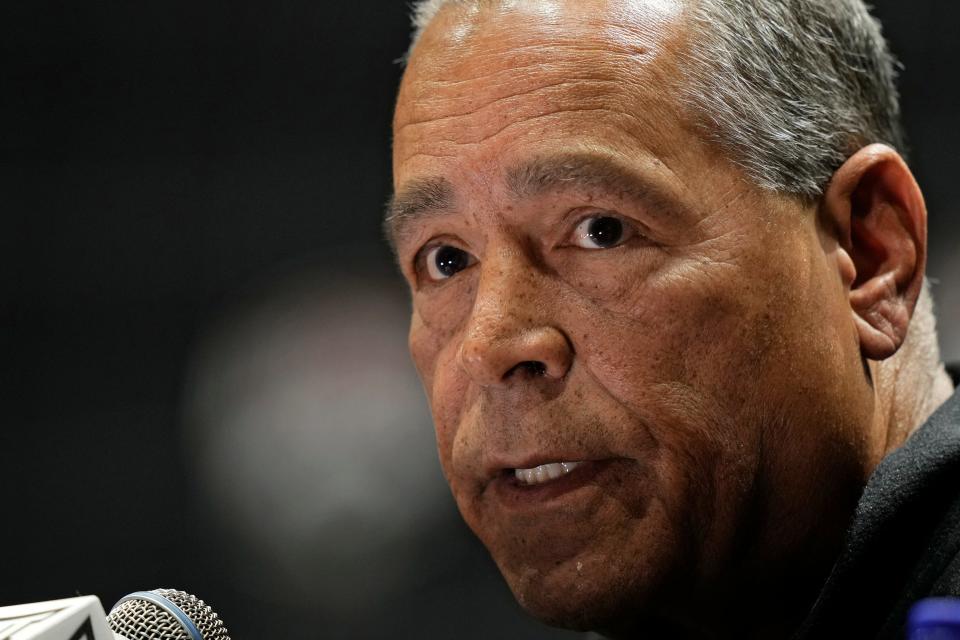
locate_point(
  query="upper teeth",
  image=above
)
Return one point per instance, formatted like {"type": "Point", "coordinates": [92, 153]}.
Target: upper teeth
{"type": "Point", "coordinates": [545, 472]}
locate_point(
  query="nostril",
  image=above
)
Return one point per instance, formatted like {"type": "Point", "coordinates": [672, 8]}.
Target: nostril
{"type": "Point", "coordinates": [532, 367]}
{"type": "Point", "coordinates": [493, 355]}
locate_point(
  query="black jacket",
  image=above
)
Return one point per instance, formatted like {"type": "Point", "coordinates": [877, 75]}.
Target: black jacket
{"type": "Point", "coordinates": [904, 542]}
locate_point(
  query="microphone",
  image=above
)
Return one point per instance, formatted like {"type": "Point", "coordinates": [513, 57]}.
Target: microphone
{"type": "Point", "coordinates": [165, 614]}
{"type": "Point", "coordinates": [161, 614]}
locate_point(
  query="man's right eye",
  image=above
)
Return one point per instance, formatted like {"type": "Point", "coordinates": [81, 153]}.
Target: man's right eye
{"type": "Point", "coordinates": [445, 261]}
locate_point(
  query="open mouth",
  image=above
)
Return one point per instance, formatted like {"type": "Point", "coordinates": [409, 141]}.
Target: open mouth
{"type": "Point", "coordinates": [543, 483]}
{"type": "Point", "coordinates": [544, 472]}
{"type": "Point", "coordinates": [567, 484]}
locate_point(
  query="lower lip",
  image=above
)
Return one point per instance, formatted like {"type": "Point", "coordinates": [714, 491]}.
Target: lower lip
{"type": "Point", "coordinates": [511, 491]}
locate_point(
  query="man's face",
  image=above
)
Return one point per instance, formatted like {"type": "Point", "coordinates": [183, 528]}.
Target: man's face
{"type": "Point", "coordinates": [594, 284]}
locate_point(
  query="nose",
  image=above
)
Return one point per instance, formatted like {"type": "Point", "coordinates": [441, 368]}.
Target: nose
{"type": "Point", "coordinates": [513, 332]}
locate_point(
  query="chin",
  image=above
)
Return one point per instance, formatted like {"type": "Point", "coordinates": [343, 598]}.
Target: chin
{"type": "Point", "coordinates": [585, 595]}
{"type": "Point", "coordinates": [569, 608]}
{"type": "Point", "coordinates": [614, 610]}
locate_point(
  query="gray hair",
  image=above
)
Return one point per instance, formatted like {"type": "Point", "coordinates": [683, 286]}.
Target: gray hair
{"type": "Point", "coordinates": [789, 89]}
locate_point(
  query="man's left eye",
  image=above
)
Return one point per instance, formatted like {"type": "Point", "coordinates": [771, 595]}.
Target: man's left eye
{"type": "Point", "coordinates": [599, 232]}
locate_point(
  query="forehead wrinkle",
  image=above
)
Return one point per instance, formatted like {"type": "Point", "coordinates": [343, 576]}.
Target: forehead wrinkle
{"type": "Point", "coordinates": [440, 92]}
{"type": "Point", "coordinates": [550, 92]}
{"type": "Point", "coordinates": [585, 171]}
{"type": "Point", "coordinates": [417, 200]}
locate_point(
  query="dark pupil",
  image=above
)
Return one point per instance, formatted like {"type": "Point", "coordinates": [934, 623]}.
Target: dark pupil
{"type": "Point", "coordinates": [451, 260]}
{"type": "Point", "coordinates": [605, 232]}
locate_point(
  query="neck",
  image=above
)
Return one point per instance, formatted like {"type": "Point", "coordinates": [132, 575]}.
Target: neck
{"type": "Point", "coordinates": [912, 384]}
{"type": "Point", "coordinates": [907, 396]}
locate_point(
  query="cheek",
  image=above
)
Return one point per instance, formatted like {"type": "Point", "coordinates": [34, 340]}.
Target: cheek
{"type": "Point", "coordinates": [687, 351]}
{"type": "Point", "coordinates": [436, 329]}
{"type": "Point", "coordinates": [719, 319]}
{"type": "Point", "coordinates": [434, 352]}
{"type": "Point", "coordinates": [683, 325]}
{"type": "Point", "coordinates": [443, 308]}
{"type": "Point", "coordinates": [605, 279]}
{"type": "Point", "coordinates": [659, 319]}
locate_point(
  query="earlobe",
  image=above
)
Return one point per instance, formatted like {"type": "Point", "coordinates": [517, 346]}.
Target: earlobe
{"type": "Point", "coordinates": [882, 316]}
{"type": "Point", "coordinates": [881, 220]}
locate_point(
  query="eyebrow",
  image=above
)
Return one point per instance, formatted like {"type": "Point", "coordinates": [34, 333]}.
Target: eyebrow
{"type": "Point", "coordinates": [585, 171]}
{"type": "Point", "coordinates": [427, 198]}
{"type": "Point", "coordinates": [418, 200]}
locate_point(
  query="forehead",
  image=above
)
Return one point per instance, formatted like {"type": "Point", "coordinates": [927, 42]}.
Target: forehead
{"type": "Point", "coordinates": [460, 30]}
{"type": "Point", "coordinates": [495, 72]}
{"type": "Point", "coordinates": [466, 26]}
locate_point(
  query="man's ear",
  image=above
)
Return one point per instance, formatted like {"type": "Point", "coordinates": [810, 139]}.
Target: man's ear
{"type": "Point", "coordinates": [880, 217]}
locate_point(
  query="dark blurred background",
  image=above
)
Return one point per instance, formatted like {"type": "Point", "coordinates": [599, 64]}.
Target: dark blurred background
{"type": "Point", "coordinates": [205, 382]}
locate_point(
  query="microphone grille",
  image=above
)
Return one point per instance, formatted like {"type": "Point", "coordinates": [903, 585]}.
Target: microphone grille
{"type": "Point", "coordinates": [140, 616]}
